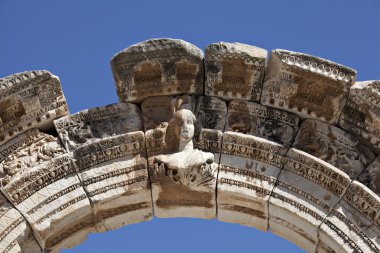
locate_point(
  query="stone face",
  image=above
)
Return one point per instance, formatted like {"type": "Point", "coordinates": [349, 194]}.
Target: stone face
{"type": "Point", "coordinates": [248, 170]}
{"type": "Point", "coordinates": [15, 233]}
{"type": "Point", "coordinates": [306, 85]}
{"type": "Point", "coordinates": [351, 224]}
{"type": "Point", "coordinates": [28, 100]}
{"type": "Point", "coordinates": [158, 67]}
{"type": "Point", "coordinates": [262, 121]}
{"type": "Point", "coordinates": [183, 178]}
{"type": "Point", "coordinates": [333, 145]}
{"type": "Point", "coordinates": [234, 70]}
{"type": "Point", "coordinates": [370, 177]}
{"type": "Point", "coordinates": [39, 178]}
{"type": "Point", "coordinates": [361, 114]}
{"type": "Point", "coordinates": [307, 189]}
{"type": "Point", "coordinates": [108, 148]}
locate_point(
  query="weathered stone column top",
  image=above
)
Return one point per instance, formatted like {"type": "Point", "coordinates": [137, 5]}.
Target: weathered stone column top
{"type": "Point", "coordinates": [158, 67]}
{"type": "Point", "coordinates": [234, 70]}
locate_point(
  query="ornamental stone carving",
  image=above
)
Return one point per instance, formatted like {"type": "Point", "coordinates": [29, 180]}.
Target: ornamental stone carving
{"type": "Point", "coordinates": [180, 146]}
{"type": "Point", "coordinates": [234, 70]}
{"type": "Point", "coordinates": [333, 145]}
{"type": "Point", "coordinates": [361, 114]}
{"type": "Point", "coordinates": [306, 85]}
{"type": "Point", "coordinates": [158, 67]}
{"type": "Point", "coordinates": [31, 99]}
{"type": "Point", "coordinates": [108, 147]}
{"type": "Point", "coordinates": [40, 180]}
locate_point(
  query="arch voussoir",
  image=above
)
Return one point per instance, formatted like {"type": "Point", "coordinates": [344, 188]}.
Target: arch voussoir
{"type": "Point", "coordinates": [295, 153]}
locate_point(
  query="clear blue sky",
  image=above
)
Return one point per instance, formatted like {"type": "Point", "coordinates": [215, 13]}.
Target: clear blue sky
{"type": "Point", "coordinates": [76, 40]}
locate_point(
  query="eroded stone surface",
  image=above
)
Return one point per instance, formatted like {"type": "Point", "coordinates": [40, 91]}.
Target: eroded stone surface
{"type": "Point", "coordinates": [91, 125]}
{"type": "Point", "coordinates": [306, 85]}
{"type": "Point", "coordinates": [15, 234]}
{"type": "Point", "coordinates": [307, 189]}
{"type": "Point", "coordinates": [346, 229]}
{"type": "Point", "coordinates": [248, 170]}
{"type": "Point", "coordinates": [28, 100]}
{"type": "Point", "coordinates": [361, 114]}
{"type": "Point", "coordinates": [183, 178]}
{"type": "Point", "coordinates": [262, 121]}
{"type": "Point", "coordinates": [333, 145]}
{"type": "Point", "coordinates": [108, 148]}
{"type": "Point", "coordinates": [370, 177]}
{"type": "Point", "coordinates": [234, 70]}
{"type": "Point", "coordinates": [158, 67]}
{"type": "Point", "coordinates": [39, 178]}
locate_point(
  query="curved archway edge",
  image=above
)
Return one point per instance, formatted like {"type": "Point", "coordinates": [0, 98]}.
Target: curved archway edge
{"type": "Point", "coordinates": [291, 144]}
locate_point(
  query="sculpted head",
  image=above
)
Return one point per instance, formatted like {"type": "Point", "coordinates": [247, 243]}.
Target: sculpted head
{"type": "Point", "coordinates": [180, 129]}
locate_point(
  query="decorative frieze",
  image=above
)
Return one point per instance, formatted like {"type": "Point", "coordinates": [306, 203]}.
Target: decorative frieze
{"type": "Point", "coordinates": [28, 100]}
{"type": "Point", "coordinates": [158, 67]}
{"type": "Point", "coordinates": [234, 70]}
{"type": "Point", "coordinates": [306, 85]}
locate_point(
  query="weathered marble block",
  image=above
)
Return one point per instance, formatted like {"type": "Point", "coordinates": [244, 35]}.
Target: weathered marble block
{"type": "Point", "coordinates": [307, 189]}
{"type": "Point", "coordinates": [15, 233]}
{"type": "Point", "coordinates": [370, 177]}
{"type": "Point", "coordinates": [234, 70]}
{"type": "Point", "coordinates": [158, 67]}
{"type": "Point", "coordinates": [108, 148]}
{"type": "Point", "coordinates": [39, 178]}
{"type": "Point", "coordinates": [28, 100]}
{"type": "Point", "coordinates": [309, 86]}
{"type": "Point", "coordinates": [248, 170]}
{"type": "Point", "coordinates": [361, 114]}
{"type": "Point", "coordinates": [89, 126]}
{"type": "Point", "coordinates": [262, 121]}
{"type": "Point", "coordinates": [348, 227]}
{"type": "Point", "coordinates": [210, 120]}
{"type": "Point", "coordinates": [115, 176]}
{"type": "Point", "coordinates": [183, 178]}
{"type": "Point", "coordinates": [333, 145]}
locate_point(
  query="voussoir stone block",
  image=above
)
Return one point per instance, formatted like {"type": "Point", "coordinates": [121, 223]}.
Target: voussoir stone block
{"type": "Point", "coordinates": [28, 100]}
{"type": "Point", "coordinates": [361, 114]}
{"type": "Point", "coordinates": [307, 189]}
{"type": "Point", "coordinates": [333, 145]}
{"type": "Point", "coordinates": [40, 180]}
{"type": "Point", "coordinates": [351, 225]}
{"type": "Point", "coordinates": [183, 178]}
{"type": "Point", "coordinates": [108, 148]}
{"type": "Point", "coordinates": [309, 86]}
{"type": "Point", "coordinates": [248, 170]}
{"type": "Point", "coordinates": [262, 121]}
{"type": "Point", "coordinates": [15, 233]}
{"type": "Point", "coordinates": [370, 177]}
{"type": "Point", "coordinates": [234, 70]}
{"type": "Point", "coordinates": [158, 67]}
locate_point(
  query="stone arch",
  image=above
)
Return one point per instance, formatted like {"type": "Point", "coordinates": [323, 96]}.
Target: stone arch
{"type": "Point", "coordinates": [298, 154]}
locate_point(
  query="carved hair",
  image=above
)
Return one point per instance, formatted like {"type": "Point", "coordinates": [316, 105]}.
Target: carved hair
{"type": "Point", "coordinates": [171, 139]}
